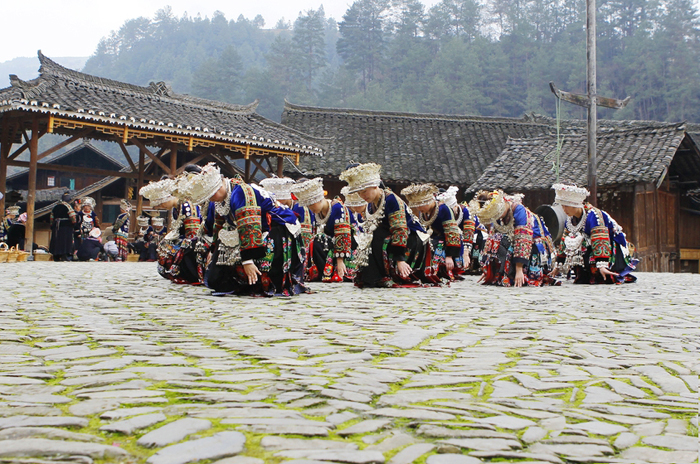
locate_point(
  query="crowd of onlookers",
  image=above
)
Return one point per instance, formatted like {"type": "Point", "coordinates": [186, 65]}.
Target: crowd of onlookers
{"type": "Point", "coordinates": [76, 234]}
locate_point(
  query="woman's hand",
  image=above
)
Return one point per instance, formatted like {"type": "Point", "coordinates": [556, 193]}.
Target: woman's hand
{"type": "Point", "coordinates": [466, 259]}
{"type": "Point", "coordinates": [251, 270]}
{"type": "Point", "coordinates": [403, 269]}
{"type": "Point", "coordinates": [449, 263]}
{"type": "Point", "coordinates": [340, 267]}
{"type": "Point", "coordinates": [519, 275]}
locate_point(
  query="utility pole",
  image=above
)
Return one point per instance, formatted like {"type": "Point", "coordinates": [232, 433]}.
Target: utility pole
{"type": "Point", "coordinates": [591, 100]}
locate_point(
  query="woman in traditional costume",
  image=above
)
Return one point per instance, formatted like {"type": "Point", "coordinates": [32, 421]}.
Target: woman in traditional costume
{"type": "Point", "coordinates": [439, 222]}
{"type": "Point", "coordinates": [256, 249]}
{"type": "Point", "coordinates": [390, 252]}
{"type": "Point", "coordinates": [473, 233]}
{"type": "Point", "coordinates": [87, 220]}
{"type": "Point", "coordinates": [63, 220]}
{"type": "Point", "coordinates": [356, 207]}
{"type": "Point", "coordinates": [281, 190]}
{"type": "Point", "coordinates": [332, 243]}
{"type": "Point", "coordinates": [120, 228]}
{"type": "Point", "coordinates": [177, 250]}
{"type": "Point", "coordinates": [594, 248]}
{"type": "Point", "coordinates": [10, 217]}
{"type": "Point", "coordinates": [519, 250]}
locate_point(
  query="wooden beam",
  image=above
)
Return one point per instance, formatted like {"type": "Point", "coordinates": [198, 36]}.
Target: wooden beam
{"type": "Point", "coordinates": [139, 181]}
{"type": "Point", "coordinates": [173, 159]}
{"type": "Point", "coordinates": [31, 196]}
{"type": "Point", "coordinates": [145, 150]}
{"type": "Point", "coordinates": [81, 170]}
{"type": "Point", "coordinates": [127, 156]}
{"type": "Point", "coordinates": [259, 166]}
{"type": "Point", "coordinates": [5, 146]}
{"type": "Point", "coordinates": [192, 161]}
{"type": "Point", "coordinates": [280, 166]}
{"type": "Point", "coordinates": [18, 152]}
{"type": "Point", "coordinates": [55, 148]}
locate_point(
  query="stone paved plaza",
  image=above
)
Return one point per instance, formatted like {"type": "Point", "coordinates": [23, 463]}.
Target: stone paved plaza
{"type": "Point", "coordinates": [108, 362]}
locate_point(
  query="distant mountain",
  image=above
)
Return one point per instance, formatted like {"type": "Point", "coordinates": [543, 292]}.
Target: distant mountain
{"type": "Point", "coordinates": [28, 68]}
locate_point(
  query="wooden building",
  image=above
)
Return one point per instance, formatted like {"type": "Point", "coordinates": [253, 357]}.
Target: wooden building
{"type": "Point", "coordinates": [645, 172]}
{"type": "Point", "coordinates": [170, 130]}
{"type": "Point", "coordinates": [411, 147]}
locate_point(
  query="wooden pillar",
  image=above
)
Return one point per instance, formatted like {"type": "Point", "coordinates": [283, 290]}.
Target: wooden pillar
{"type": "Point", "coordinates": [247, 170]}
{"type": "Point", "coordinates": [139, 182]}
{"type": "Point", "coordinates": [5, 147]}
{"type": "Point", "coordinates": [173, 174]}
{"type": "Point", "coordinates": [31, 196]}
{"type": "Point", "coordinates": [592, 100]}
{"type": "Point", "coordinates": [280, 166]}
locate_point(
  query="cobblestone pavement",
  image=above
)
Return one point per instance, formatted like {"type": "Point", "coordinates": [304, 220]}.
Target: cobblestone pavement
{"type": "Point", "coordinates": [107, 362]}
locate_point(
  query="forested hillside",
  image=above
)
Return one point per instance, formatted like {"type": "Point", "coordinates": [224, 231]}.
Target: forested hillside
{"type": "Point", "coordinates": [490, 58]}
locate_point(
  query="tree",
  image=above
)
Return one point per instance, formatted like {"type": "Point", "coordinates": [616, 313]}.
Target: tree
{"type": "Point", "coordinates": [220, 79]}
{"type": "Point", "coordinates": [309, 45]}
{"type": "Point", "coordinates": [362, 42]}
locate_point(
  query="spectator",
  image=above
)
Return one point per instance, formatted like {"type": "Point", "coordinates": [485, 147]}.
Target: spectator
{"type": "Point", "coordinates": [91, 247]}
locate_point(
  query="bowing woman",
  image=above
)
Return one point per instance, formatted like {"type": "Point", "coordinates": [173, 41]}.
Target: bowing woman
{"type": "Point", "coordinates": [390, 252]}
{"type": "Point", "coordinates": [594, 248]}
{"type": "Point", "coordinates": [332, 242]}
{"type": "Point", "coordinates": [256, 250]}
{"type": "Point", "coordinates": [519, 250]}
{"type": "Point", "coordinates": [438, 220]}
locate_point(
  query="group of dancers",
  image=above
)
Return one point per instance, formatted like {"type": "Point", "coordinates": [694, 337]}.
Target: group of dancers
{"type": "Point", "coordinates": [273, 238]}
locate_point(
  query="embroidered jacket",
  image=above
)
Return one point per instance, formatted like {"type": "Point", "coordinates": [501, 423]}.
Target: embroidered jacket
{"type": "Point", "coordinates": [86, 222]}
{"type": "Point", "coordinates": [64, 211]}
{"type": "Point", "coordinates": [306, 219]}
{"type": "Point", "coordinates": [445, 228]}
{"type": "Point", "coordinates": [338, 228]}
{"type": "Point", "coordinates": [400, 223]}
{"type": "Point", "coordinates": [121, 226]}
{"type": "Point", "coordinates": [4, 229]}
{"type": "Point", "coordinates": [191, 219]}
{"type": "Point", "coordinates": [601, 231]}
{"type": "Point", "coordinates": [252, 213]}
{"type": "Point", "coordinates": [468, 226]}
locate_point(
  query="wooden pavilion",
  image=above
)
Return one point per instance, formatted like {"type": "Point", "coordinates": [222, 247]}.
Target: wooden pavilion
{"type": "Point", "coordinates": [169, 129]}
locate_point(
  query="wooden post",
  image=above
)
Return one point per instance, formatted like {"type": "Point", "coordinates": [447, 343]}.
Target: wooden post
{"type": "Point", "coordinates": [280, 166]}
{"type": "Point", "coordinates": [247, 170]}
{"type": "Point", "coordinates": [31, 196]}
{"type": "Point", "coordinates": [173, 173]}
{"type": "Point", "coordinates": [139, 182]}
{"type": "Point", "coordinates": [5, 147]}
{"type": "Point", "coordinates": [592, 99]}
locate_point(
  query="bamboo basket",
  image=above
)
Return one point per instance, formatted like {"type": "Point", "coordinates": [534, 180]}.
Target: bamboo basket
{"type": "Point", "coordinates": [43, 257]}
{"type": "Point", "coordinates": [132, 258]}
{"type": "Point", "coordinates": [4, 252]}
{"type": "Point", "coordinates": [12, 255]}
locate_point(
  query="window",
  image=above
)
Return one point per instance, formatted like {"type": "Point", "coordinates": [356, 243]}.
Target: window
{"type": "Point", "coordinates": [110, 213]}
{"type": "Point", "coordinates": [51, 181]}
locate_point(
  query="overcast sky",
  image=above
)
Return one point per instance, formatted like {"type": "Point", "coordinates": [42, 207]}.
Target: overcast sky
{"type": "Point", "coordinates": [62, 28]}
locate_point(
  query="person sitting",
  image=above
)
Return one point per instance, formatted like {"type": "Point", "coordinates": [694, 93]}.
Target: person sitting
{"type": "Point", "coordinates": [91, 247]}
{"type": "Point", "coordinates": [111, 251]}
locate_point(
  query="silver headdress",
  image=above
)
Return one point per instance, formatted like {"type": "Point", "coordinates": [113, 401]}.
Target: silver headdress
{"type": "Point", "coordinates": [570, 195]}
{"type": "Point", "coordinates": [449, 197]}
{"type": "Point", "coordinates": [419, 194]}
{"type": "Point", "coordinates": [279, 187]}
{"type": "Point", "coordinates": [199, 187]}
{"type": "Point", "coordinates": [309, 192]}
{"type": "Point", "coordinates": [362, 176]}
{"type": "Point", "coordinates": [88, 201]}
{"type": "Point", "coordinates": [352, 199]}
{"type": "Point", "coordinates": [158, 192]}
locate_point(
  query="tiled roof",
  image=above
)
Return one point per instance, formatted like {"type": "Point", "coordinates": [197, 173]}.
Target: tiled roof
{"type": "Point", "coordinates": [53, 194]}
{"type": "Point", "coordinates": [639, 154]}
{"type": "Point", "coordinates": [59, 155]}
{"type": "Point", "coordinates": [64, 92]}
{"type": "Point", "coordinates": [410, 147]}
